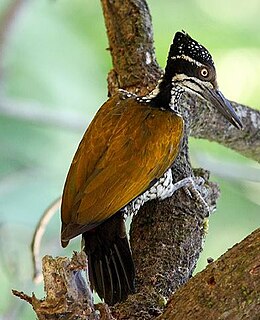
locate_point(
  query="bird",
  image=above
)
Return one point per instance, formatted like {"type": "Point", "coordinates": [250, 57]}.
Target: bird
{"type": "Point", "coordinates": [124, 159]}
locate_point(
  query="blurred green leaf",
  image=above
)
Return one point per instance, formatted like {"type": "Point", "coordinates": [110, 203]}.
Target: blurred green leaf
{"type": "Point", "coordinates": [56, 56]}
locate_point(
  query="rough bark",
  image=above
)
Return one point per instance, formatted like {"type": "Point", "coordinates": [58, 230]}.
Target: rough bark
{"type": "Point", "coordinates": [166, 237]}
{"type": "Point", "coordinates": [228, 289]}
{"type": "Point", "coordinates": [130, 37]}
{"type": "Point", "coordinates": [208, 124]}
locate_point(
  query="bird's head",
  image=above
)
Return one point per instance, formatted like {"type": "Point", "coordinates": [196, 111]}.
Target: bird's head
{"type": "Point", "coordinates": [190, 68]}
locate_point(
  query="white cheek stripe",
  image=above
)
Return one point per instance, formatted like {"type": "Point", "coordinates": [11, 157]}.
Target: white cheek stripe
{"type": "Point", "coordinates": [187, 58]}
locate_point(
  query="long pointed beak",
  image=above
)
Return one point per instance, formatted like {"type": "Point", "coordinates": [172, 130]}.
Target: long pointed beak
{"type": "Point", "coordinates": [223, 106]}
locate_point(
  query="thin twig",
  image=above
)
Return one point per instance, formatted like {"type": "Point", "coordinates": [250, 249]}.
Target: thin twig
{"type": "Point", "coordinates": [37, 113]}
{"type": "Point", "coordinates": [37, 237]}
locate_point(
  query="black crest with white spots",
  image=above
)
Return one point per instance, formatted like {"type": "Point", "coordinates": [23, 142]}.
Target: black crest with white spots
{"type": "Point", "coordinates": [184, 45]}
{"type": "Point", "coordinates": [185, 55]}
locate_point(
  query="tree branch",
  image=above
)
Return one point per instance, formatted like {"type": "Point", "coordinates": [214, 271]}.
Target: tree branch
{"type": "Point", "coordinates": [211, 125]}
{"type": "Point", "coordinates": [130, 37]}
{"type": "Point", "coordinates": [39, 114]}
{"type": "Point", "coordinates": [37, 238]}
{"type": "Point", "coordinates": [68, 295]}
{"type": "Point", "coordinates": [227, 289]}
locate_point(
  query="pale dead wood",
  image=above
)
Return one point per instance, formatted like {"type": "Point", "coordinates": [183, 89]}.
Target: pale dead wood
{"type": "Point", "coordinates": [68, 294]}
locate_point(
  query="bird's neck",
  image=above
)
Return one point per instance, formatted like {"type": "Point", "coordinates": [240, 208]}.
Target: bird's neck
{"type": "Point", "coordinates": [166, 95]}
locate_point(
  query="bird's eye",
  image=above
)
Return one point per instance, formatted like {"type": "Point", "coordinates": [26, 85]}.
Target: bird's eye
{"type": "Point", "coordinates": [204, 72]}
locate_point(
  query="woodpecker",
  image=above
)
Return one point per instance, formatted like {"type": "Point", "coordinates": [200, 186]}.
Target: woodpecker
{"type": "Point", "coordinates": [124, 160]}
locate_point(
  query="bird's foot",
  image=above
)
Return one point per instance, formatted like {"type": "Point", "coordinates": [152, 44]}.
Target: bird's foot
{"type": "Point", "coordinates": [191, 188]}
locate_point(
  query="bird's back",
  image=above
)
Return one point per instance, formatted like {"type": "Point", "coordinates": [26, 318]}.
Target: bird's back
{"type": "Point", "coordinates": [127, 146]}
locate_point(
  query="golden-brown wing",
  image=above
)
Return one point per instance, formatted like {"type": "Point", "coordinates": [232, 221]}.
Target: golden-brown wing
{"type": "Point", "coordinates": [92, 146]}
{"type": "Point", "coordinates": [143, 145]}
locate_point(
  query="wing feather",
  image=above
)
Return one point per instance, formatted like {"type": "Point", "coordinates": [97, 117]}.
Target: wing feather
{"type": "Point", "coordinates": [137, 147]}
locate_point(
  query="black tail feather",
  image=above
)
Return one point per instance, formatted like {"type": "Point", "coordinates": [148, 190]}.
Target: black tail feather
{"type": "Point", "coordinates": [111, 267]}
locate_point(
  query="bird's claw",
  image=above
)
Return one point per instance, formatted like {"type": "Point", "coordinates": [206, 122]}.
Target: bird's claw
{"type": "Point", "coordinates": [191, 188]}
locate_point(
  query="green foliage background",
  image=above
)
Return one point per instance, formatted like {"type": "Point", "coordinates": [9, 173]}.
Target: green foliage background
{"type": "Point", "coordinates": [55, 61]}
